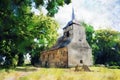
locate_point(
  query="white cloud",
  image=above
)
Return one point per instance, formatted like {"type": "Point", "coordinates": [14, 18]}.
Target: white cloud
{"type": "Point", "coordinates": [99, 13]}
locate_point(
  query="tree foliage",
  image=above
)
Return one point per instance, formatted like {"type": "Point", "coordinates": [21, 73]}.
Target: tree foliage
{"type": "Point", "coordinates": [19, 27]}
{"type": "Point", "coordinates": [52, 5]}
{"type": "Point", "coordinates": [105, 44]}
{"type": "Point", "coordinates": [106, 47]}
{"type": "Point", "coordinates": [45, 34]}
{"type": "Point", "coordinates": [89, 33]}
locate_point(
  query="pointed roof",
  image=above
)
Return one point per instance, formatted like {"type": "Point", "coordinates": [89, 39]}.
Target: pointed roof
{"type": "Point", "coordinates": [72, 21]}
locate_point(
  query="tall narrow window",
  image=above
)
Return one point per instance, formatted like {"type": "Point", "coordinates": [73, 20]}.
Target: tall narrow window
{"type": "Point", "coordinates": [81, 61]}
{"type": "Point", "coordinates": [48, 56]}
{"type": "Point", "coordinates": [68, 34]}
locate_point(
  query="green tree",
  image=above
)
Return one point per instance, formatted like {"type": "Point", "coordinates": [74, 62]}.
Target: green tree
{"type": "Point", "coordinates": [19, 28]}
{"type": "Point", "coordinates": [106, 47]}
{"type": "Point", "coordinates": [45, 34]}
{"type": "Point", "coordinates": [89, 33]}
{"type": "Point", "coordinates": [52, 5]}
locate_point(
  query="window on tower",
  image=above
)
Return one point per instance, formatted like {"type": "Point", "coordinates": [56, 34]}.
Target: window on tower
{"type": "Point", "coordinates": [67, 34]}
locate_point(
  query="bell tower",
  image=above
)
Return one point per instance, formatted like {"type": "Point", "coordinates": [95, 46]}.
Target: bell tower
{"type": "Point", "coordinates": [78, 47]}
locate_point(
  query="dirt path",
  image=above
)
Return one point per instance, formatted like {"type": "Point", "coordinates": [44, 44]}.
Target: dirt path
{"type": "Point", "coordinates": [19, 74]}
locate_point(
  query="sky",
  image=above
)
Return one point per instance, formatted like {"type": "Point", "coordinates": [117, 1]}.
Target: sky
{"type": "Point", "coordinates": [101, 14]}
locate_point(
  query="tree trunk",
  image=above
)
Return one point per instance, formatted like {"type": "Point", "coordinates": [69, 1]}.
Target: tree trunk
{"type": "Point", "coordinates": [20, 60]}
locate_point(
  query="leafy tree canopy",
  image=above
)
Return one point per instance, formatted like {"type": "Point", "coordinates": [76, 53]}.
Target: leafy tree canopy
{"type": "Point", "coordinates": [19, 27]}
{"type": "Point", "coordinates": [105, 44]}
{"type": "Point", "coordinates": [51, 5]}
{"type": "Point", "coordinates": [106, 47]}
{"type": "Point", "coordinates": [89, 32]}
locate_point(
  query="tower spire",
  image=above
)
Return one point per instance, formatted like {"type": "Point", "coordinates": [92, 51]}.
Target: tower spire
{"type": "Point", "coordinates": [73, 20]}
{"type": "Point", "coordinates": [73, 14]}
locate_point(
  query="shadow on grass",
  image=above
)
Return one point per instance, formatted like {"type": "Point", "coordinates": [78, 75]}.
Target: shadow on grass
{"type": "Point", "coordinates": [113, 67]}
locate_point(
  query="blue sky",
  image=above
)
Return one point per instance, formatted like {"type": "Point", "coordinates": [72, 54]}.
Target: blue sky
{"type": "Point", "coordinates": [99, 13]}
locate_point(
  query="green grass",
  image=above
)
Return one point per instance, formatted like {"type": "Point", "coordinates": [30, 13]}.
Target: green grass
{"type": "Point", "coordinates": [6, 73]}
{"type": "Point", "coordinates": [31, 73]}
{"type": "Point", "coordinates": [2, 73]}
{"type": "Point", "coordinates": [98, 73]}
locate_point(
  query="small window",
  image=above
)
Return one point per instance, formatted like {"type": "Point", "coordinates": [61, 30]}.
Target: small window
{"type": "Point", "coordinates": [68, 34]}
{"type": "Point", "coordinates": [48, 55]}
{"type": "Point", "coordinates": [80, 40]}
{"type": "Point", "coordinates": [81, 61]}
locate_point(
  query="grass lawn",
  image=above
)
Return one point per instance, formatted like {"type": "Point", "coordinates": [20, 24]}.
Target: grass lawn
{"type": "Point", "coordinates": [32, 73]}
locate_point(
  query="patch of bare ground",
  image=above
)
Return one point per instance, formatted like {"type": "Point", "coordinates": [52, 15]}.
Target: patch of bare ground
{"type": "Point", "coordinates": [20, 72]}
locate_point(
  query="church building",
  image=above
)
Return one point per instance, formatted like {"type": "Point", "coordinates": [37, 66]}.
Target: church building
{"type": "Point", "coordinates": [71, 49]}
